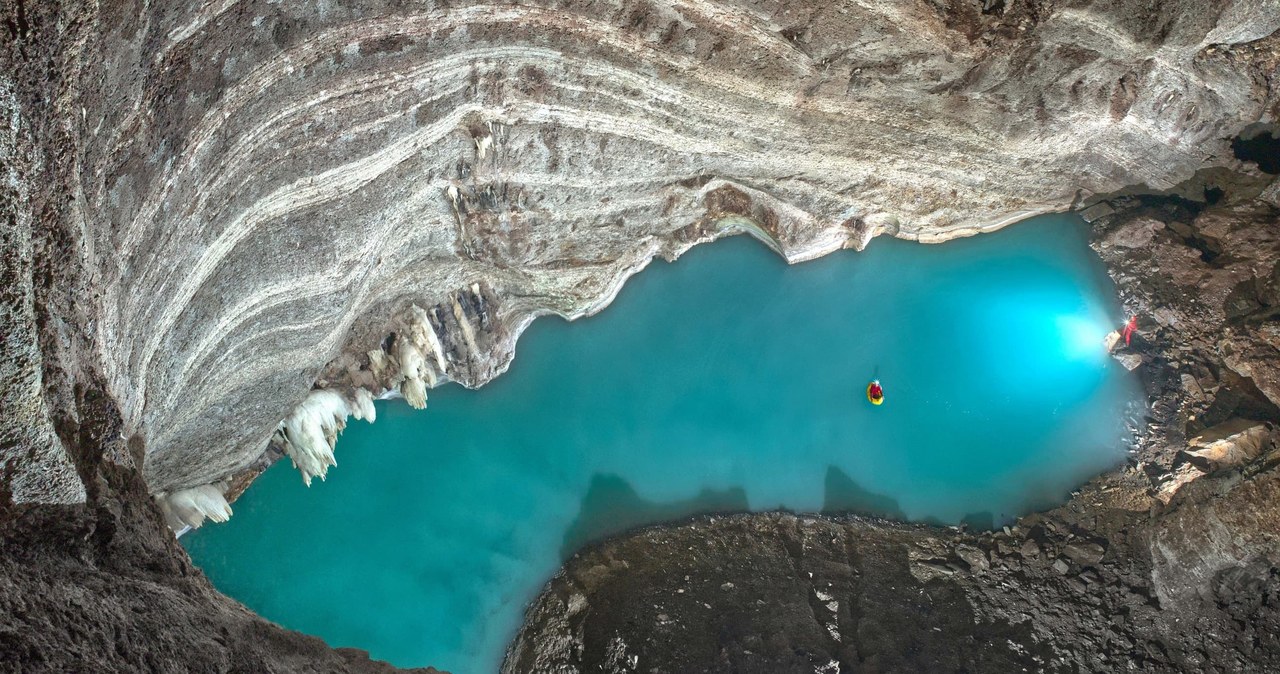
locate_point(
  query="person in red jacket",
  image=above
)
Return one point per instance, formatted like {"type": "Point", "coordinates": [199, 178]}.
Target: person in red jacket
{"type": "Point", "coordinates": [1130, 328]}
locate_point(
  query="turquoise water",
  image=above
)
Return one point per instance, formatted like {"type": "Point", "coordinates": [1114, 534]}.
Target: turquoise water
{"type": "Point", "coordinates": [725, 381]}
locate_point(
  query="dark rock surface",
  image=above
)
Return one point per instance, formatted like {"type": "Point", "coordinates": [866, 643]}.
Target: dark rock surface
{"type": "Point", "coordinates": [1060, 592]}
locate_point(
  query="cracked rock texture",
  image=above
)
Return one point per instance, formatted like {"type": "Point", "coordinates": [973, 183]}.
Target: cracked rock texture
{"type": "Point", "coordinates": [210, 208]}
{"type": "Point", "coordinates": [776, 593]}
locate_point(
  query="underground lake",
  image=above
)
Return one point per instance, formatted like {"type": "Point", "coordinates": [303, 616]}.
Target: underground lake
{"type": "Point", "coordinates": [726, 381]}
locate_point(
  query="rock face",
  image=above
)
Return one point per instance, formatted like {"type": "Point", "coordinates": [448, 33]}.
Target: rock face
{"type": "Point", "coordinates": [212, 209]}
{"type": "Point", "coordinates": [254, 195]}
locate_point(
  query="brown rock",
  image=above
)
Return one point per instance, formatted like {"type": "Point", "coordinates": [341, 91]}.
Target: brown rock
{"type": "Point", "coordinates": [1229, 444]}
{"type": "Point", "coordinates": [1030, 550]}
{"type": "Point", "coordinates": [1084, 553]}
{"type": "Point", "coordinates": [975, 558]}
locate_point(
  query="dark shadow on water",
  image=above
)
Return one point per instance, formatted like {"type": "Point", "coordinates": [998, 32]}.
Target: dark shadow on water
{"type": "Point", "coordinates": [983, 521]}
{"type": "Point", "coordinates": [843, 495]}
{"type": "Point", "coordinates": [611, 507]}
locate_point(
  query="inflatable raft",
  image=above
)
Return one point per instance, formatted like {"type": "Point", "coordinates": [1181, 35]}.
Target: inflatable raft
{"type": "Point", "coordinates": [875, 393]}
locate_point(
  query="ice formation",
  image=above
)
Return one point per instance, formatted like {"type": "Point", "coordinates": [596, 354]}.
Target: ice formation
{"type": "Point", "coordinates": [413, 388]}
{"type": "Point", "coordinates": [188, 508]}
{"type": "Point", "coordinates": [419, 375]}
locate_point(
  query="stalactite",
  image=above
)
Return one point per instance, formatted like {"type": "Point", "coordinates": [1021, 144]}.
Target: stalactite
{"type": "Point", "coordinates": [188, 508]}
{"type": "Point", "coordinates": [413, 388]}
{"type": "Point", "coordinates": [310, 432]}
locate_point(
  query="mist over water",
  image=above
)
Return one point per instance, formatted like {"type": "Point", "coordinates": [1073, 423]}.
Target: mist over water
{"type": "Point", "coordinates": [726, 381]}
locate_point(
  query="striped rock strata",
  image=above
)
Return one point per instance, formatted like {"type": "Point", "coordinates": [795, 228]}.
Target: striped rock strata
{"type": "Point", "coordinates": [262, 198]}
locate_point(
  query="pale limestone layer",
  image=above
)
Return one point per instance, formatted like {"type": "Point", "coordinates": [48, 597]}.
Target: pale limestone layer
{"type": "Point", "coordinates": [271, 189]}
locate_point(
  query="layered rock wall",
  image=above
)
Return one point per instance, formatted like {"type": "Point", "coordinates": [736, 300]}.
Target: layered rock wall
{"type": "Point", "coordinates": [257, 193]}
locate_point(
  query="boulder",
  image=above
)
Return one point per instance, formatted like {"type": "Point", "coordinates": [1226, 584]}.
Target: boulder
{"type": "Point", "coordinates": [1271, 195]}
{"type": "Point", "coordinates": [1135, 233]}
{"type": "Point", "coordinates": [1130, 361]}
{"type": "Point", "coordinates": [1084, 553]}
{"type": "Point", "coordinates": [1229, 444]}
{"type": "Point", "coordinates": [1097, 211]}
{"type": "Point", "coordinates": [1030, 550]}
{"type": "Point", "coordinates": [975, 558]}
{"type": "Point", "coordinates": [1111, 341]}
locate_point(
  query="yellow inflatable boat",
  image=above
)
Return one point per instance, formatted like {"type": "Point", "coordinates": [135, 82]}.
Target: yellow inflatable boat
{"type": "Point", "coordinates": [875, 393]}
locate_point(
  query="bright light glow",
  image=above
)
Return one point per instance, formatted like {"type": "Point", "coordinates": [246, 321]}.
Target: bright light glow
{"type": "Point", "coordinates": [1082, 337]}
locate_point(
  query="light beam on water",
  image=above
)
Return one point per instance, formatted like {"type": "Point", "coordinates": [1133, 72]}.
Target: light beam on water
{"type": "Point", "coordinates": [723, 382]}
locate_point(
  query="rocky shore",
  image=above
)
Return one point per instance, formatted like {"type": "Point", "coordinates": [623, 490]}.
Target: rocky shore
{"type": "Point", "coordinates": [226, 225]}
